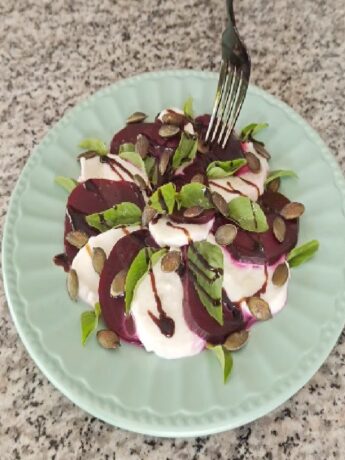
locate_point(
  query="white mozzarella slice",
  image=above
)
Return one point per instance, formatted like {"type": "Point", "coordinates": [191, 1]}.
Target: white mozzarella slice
{"type": "Point", "coordinates": [247, 183]}
{"type": "Point", "coordinates": [274, 295]}
{"type": "Point", "coordinates": [240, 279]}
{"type": "Point", "coordinates": [93, 168]}
{"type": "Point", "coordinates": [82, 263]}
{"type": "Point", "coordinates": [168, 233]}
{"type": "Point", "coordinates": [189, 129]}
{"type": "Point", "coordinates": [170, 290]}
{"type": "Point", "coordinates": [243, 280]}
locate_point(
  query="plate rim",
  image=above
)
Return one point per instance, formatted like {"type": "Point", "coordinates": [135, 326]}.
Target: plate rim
{"type": "Point", "coordinates": [59, 378]}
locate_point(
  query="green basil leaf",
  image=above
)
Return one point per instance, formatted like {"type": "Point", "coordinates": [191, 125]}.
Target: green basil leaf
{"type": "Point", "coordinates": [89, 322]}
{"type": "Point", "coordinates": [252, 129]}
{"type": "Point", "coordinates": [164, 198]}
{"type": "Point", "coordinates": [151, 169]}
{"type": "Point", "coordinates": [125, 213]}
{"type": "Point", "coordinates": [157, 255]}
{"type": "Point", "coordinates": [66, 182]}
{"type": "Point", "coordinates": [127, 147]}
{"type": "Point", "coordinates": [247, 214]}
{"type": "Point", "coordinates": [279, 173]}
{"type": "Point", "coordinates": [97, 309]}
{"type": "Point", "coordinates": [220, 169]}
{"type": "Point", "coordinates": [149, 164]}
{"type": "Point", "coordinates": [154, 178]}
{"type": "Point", "coordinates": [225, 359]}
{"type": "Point", "coordinates": [96, 145]}
{"type": "Point", "coordinates": [206, 263]}
{"type": "Point", "coordinates": [134, 158]}
{"type": "Point", "coordinates": [188, 107]}
{"type": "Point", "coordinates": [137, 270]}
{"type": "Point", "coordinates": [186, 150]}
{"type": "Point", "coordinates": [302, 253]}
{"type": "Point", "coordinates": [194, 194]}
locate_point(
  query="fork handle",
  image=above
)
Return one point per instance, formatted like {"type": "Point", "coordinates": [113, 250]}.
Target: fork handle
{"type": "Point", "coordinates": [230, 34]}
{"type": "Point", "coordinates": [230, 11]}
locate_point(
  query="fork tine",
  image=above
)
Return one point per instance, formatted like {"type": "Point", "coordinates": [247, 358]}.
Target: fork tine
{"type": "Point", "coordinates": [220, 89]}
{"type": "Point", "coordinates": [228, 108]}
{"type": "Point", "coordinates": [239, 102]}
{"type": "Point", "coordinates": [228, 86]}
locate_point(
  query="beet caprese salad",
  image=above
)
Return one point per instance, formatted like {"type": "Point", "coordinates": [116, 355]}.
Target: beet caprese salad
{"type": "Point", "coordinates": [178, 244]}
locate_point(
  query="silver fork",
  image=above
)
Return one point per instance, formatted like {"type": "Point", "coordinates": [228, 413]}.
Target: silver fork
{"type": "Point", "coordinates": [232, 84]}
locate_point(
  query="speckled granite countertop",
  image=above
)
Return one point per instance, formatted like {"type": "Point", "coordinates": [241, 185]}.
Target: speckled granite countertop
{"type": "Point", "coordinates": [52, 55]}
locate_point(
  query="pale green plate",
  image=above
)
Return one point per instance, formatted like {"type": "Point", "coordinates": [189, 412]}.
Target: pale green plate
{"type": "Point", "coordinates": [136, 390]}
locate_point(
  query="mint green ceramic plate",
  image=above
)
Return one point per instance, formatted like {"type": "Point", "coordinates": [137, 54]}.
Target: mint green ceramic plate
{"type": "Point", "coordinates": [136, 390]}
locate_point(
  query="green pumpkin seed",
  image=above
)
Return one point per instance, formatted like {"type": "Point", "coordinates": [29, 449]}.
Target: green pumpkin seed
{"type": "Point", "coordinates": [274, 185]}
{"type": "Point", "coordinates": [108, 339]}
{"type": "Point", "coordinates": [259, 308]}
{"type": "Point", "coordinates": [292, 210]}
{"type": "Point", "coordinates": [226, 234]}
{"type": "Point", "coordinates": [77, 238]}
{"type": "Point", "coordinates": [261, 150]}
{"type": "Point", "coordinates": [118, 284]}
{"type": "Point", "coordinates": [168, 131]}
{"type": "Point", "coordinates": [164, 161]}
{"type": "Point", "coordinates": [147, 215]}
{"type": "Point", "coordinates": [199, 178]}
{"type": "Point", "coordinates": [236, 340]}
{"type": "Point", "coordinates": [136, 117]}
{"type": "Point", "coordinates": [194, 211]}
{"type": "Point", "coordinates": [171, 261]}
{"type": "Point", "coordinates": [98, 259]}
{"type": "Point", "coordinates": [142, 145]}
{"type": "Point", "coordinates": [173, 118]}
{"type": "Point", "coordinates": [253, 162]}
{"type": "Point", "coordinates": [220, 203]}
{"type": "Point", "coordinates": [279, 229]}
{"type": "Point", "coordinates": [73, 284]}
{"type": "Point", "coordinates": [280, 275]}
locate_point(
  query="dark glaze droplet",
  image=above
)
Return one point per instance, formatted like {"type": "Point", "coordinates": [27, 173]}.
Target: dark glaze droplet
{"type": "Point", "coordinates": [61, 260]}
{"type": "Point", "coordinates": [165, 324]}
{"type": "Point", "coordinates": [229, 188]}
{"type": "Point", "coordinates": [184, 230]}
{"type": "Point", "coordinates": [116, 166]}
{"type": "Point", "coordinates": [248, 182]}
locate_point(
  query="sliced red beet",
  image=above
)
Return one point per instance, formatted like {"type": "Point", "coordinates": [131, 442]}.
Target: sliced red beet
{"type": "Point", "coordinates": [247, 247]}
{"type": "Point", "coordinates": [199, 320]}
{"type": "Point", "coordinates": [272, 203]}
{"type": "Point", "coordinates": [120, 258]}
{"type": "Point", "coordinates": [232, 150]}
{"type": "Point", "coordinates": [260, 248]}
{"type": "Point", "coordinates": [157, 145]}
{"type": "Point", "coordinates": [203, 218]}
{"type": "Point", "coordinates": [96, 195]}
